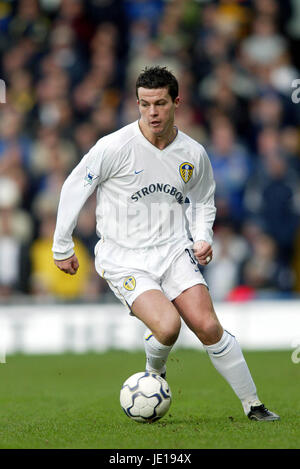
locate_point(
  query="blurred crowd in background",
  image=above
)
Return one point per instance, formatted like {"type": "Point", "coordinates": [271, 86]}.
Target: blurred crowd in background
{"type": "Point", "coordinates": [70, 68]}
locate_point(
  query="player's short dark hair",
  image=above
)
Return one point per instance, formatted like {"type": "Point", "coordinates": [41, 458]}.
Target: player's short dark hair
{"type": "Point", "coordinates": [157, 77]}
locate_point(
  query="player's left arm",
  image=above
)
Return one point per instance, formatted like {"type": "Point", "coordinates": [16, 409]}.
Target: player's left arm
{"type": "Point", "coordinates": [203, 252]}
{"type": "Point", "coordinates": [201, 211]}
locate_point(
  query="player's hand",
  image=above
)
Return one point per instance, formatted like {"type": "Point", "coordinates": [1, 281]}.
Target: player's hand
{"type": "Point", "coordinates": [203, 252]}
{"type": "Point", "coordinates": [69, 266]}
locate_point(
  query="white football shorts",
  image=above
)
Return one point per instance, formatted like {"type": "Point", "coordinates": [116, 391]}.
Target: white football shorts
{"type": "Point", "coordinates": [131, 272]}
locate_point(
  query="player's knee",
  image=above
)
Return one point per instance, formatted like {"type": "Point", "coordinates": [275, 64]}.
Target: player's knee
{"type": "Point", "coordinates": [168, 331]}
{"type": "Point", "coordinates": [209, 331]}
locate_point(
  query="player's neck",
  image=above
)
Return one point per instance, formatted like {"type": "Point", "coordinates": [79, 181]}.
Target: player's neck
{"type": "Point", "coordinates": [159, 141]}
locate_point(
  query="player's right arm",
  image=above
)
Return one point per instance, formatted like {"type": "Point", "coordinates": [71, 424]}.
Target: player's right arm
{"type": "Point", "coordinates": [69, 266]}
{"type": "Point", "coordinates": [77, 188]}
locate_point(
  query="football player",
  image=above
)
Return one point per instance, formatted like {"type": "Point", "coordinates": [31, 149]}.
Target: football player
{"type": "Point", "coordinates": [151, 244]}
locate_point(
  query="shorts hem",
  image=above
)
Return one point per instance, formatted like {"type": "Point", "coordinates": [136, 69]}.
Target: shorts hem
{"type": "Point", "coordinates": [186, 287]}
{"type": "Point", "coordinates": [140, 292]}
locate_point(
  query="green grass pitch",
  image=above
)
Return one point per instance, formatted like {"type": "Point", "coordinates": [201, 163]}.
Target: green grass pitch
{"type": "Point", "coordinates": [72, 401]}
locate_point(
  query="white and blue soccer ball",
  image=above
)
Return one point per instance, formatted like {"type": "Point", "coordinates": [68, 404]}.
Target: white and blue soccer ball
{"type": "Point", "coordinates": [145, 397]}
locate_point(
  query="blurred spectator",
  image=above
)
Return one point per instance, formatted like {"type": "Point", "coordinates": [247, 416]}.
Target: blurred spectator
{"type": "Point", "coordinates": [291, 26]}
{"type": "Point", "coordinates": [29, 21]}
{"type": "Point", "coordinates": [187, 121]}
{"type": "Point", "coordinates": [5, 19]}
{"type": "Point", "coordinates": [15, 235]}
{"type": "Point", "coordinates": [171, 37]}
{"type": "Point", "coordinates": [21, 94]}
{"type": "Point", "coordinates": [226, 75]}
{"type": "Point", "coordinates": [128, 110]}
{"type": "Point", "coordinates": [272, 193]}
{"type": "Point", "coordinates": [15, 148]}
{"type": "Point", "coordinates": [230, 252]}
{"type": "Point", "coordinates": [12, 137]}
{"type": "Point", "coordinates": [86, 225]}
{"type": "Point", "coordinates": [290, 144]}
{"type": "Point", "coordinates": [231, 165]}
{"type": "Point", "coordinates": [264, 45]}
{"type": "Point", "coordinates": [46, 279]}
{"type": "Point", "coordinates": [85, 136]}
{"type": "Point", "coordinates": [265, 111]}
{"type": "Point", "coordinates": [269, 110]}
{"type": "Point", "coordinates": [209, 46]}
{"type": "Point", "coordinates": [150, 55]}
{"type": "Point", "coordinates": [51, 90]}
{"type": "Point", "coordinates": [282, 74]}
{"type": "Point", "coordinates": [140, 9]}
{"type": "Point", "coordinates": [21, 55]}
{"type": "Point", "coordinates": [52, 158]}
{"type": "Point", "coordinates": [269, 8]}
{"type": "Point", "coordinates": [232, 19]}
{"type": "Point", "coordinates": [263, 271]}
{"type": "Point", "coordinates": [139, 35]}
{"type": "Point", "coordinates": [295, 264]}
{"type": "Point", "coordinates": [72, 13]}
{"type": "Point", "coordinates": [66, 54]}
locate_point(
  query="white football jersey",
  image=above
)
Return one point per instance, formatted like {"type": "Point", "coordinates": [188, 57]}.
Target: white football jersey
{"type": "Point", "coordinates": [141, 192]}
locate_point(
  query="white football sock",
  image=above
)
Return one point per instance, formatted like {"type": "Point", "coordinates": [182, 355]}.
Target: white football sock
{"type": "Point", "coordinates": [156, 353]}
{"type": "Point", "coordinates": [227, 357]}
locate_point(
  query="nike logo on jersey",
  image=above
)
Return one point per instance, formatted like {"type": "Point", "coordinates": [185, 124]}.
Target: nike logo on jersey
{"type": "Point", "coordinates": [138, 172]}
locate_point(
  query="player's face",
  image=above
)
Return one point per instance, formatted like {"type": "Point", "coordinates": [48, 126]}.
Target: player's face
{"type": "Point", "coordinates": [157, 109]}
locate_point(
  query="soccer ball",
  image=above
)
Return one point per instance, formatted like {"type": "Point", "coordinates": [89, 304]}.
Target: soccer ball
{"type": "Point", "coordinates": [145, 397]}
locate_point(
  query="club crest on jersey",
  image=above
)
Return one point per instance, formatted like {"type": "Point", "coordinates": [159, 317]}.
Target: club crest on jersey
{"type": "Point", "coordinates": [186, 170]}
{"type": "Point", "coordinates": [129, 283]}
{"type": "Point", "coordinates": [89, 177]}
